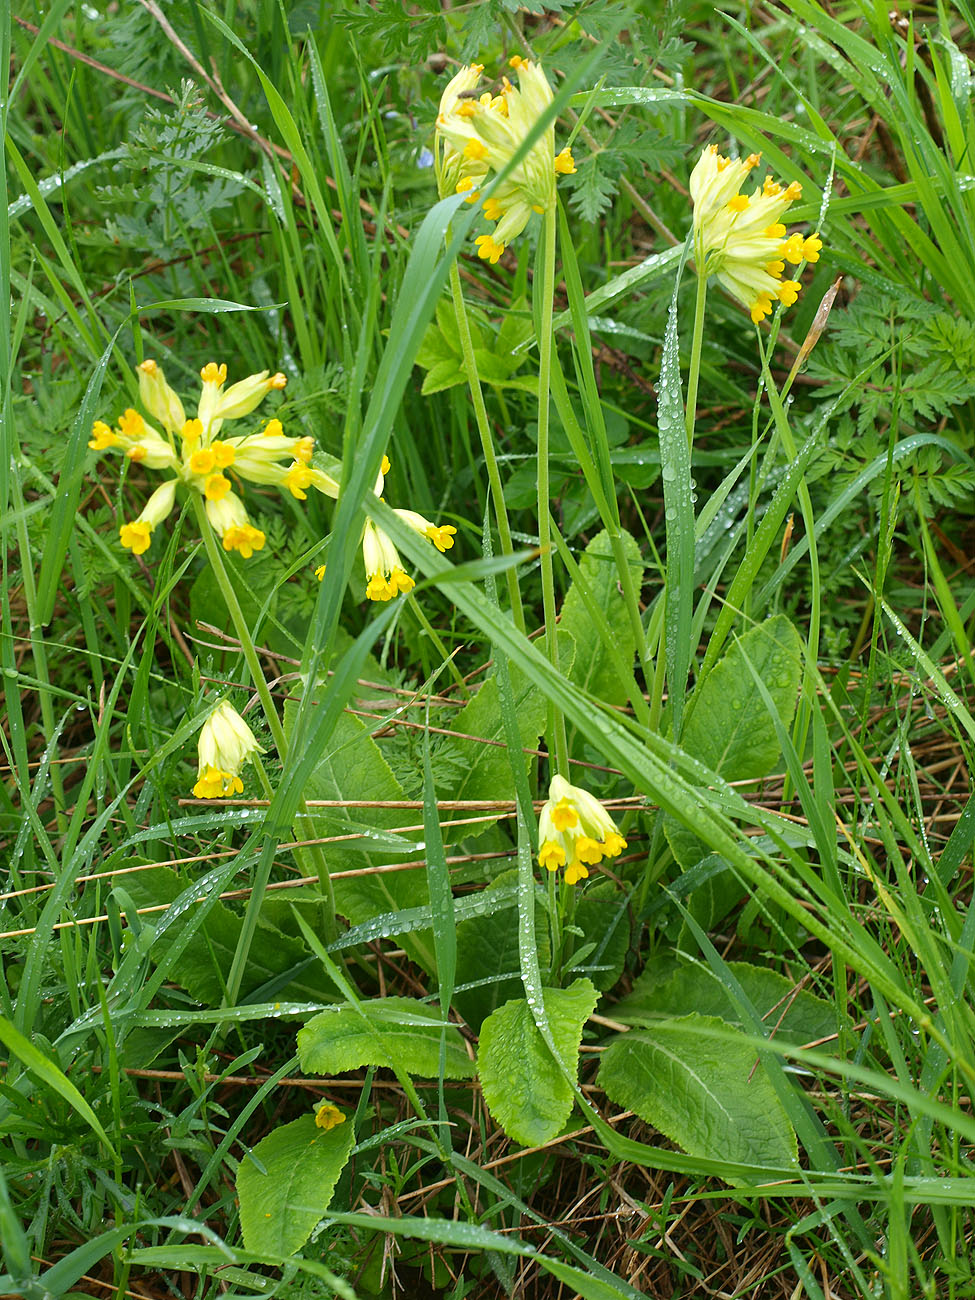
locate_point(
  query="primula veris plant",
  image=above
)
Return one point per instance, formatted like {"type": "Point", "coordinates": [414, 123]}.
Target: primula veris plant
{"type": "Point", "coordinates": [575, 831]}
{"type": "Point", "coordinates": [201, 461]}
{"type": "Point", "coordinates": [385, 575]}
{"type": "Point", "coordinates": [226, 743]}
{"type": "Point", "coordinates": [478, 135]}
{"type": "Point", "coordinates": [740, 239]}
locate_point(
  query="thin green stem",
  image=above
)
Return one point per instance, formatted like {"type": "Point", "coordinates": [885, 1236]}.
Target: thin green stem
{"type": "Point", "coordinates": [803, 714]}
{"type": "Point", "coordinates": [487, 443]}
{"type": "Point", "coordinates": [38, 651]}
{"type": "Point", "coordinates": [314, 854]}
{"type": "Point", "coordinates": [544, 317]}
{"type": "Point", "coordinates": [694, 369]}
{"type": "Point", "coordinates": [240, 626]}
{"type": "Point", "coordinates": [438, 645]}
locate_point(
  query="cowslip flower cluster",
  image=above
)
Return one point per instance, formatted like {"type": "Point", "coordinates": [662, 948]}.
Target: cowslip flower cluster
{"type": "Point", "coordinates": [199, 459]}
{"type": "Point", "coordinates": [575, 831]}
{"type": "Point", "coordinates": [226, 743]}
{"type": "Point", "coordinates": [385, 575]}
{"type": "Point", "coordinates": [740, 239]}
{"type": "Point", "coordinates": [478, 134]}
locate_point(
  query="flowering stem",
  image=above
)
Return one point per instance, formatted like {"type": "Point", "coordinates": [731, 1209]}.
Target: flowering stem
{"type": "Point", "coordinates": [48, 724]}
{"type": "Point", "coordinates": [487, 442]}
{"type": "Point", "coordinates": [694, 370]}
{"type": "Point", "coordinates": [445, 655]}
{"type": "Point", "coordinates": [545, 331]}
{"type": "Point", "coordinates": [240, 626]}
{"type": "Point", "coordinates": [273, 722]}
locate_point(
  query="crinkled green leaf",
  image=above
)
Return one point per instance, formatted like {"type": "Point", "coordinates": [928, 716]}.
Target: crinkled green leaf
{"type": "Point", "coordinates": [728, 726]}
{"type": "Point", "coordinates": [301, 1163]}
{"type": "Point", "coordinates": [487, 950]}
{"type": "Point", "coordinates": [202, 969]}
{"type": "Point", "coordinates": [352, 768]}
{"type": "Point", "coordinates": [398, 1032]}
{"type": "Point", "coordinates": [709, 1095]}
{"type": "Point", "coordinates": [593, 667]}
{"type": "Point", "coordinates": [524, 1086]}
{"type": "Point", "coordinates": [796, 1015]}
{"type": "Point", "coordinates": [480, 767]}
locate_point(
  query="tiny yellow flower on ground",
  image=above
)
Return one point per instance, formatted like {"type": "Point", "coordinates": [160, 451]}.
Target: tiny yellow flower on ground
{"type": "Point", "coordinates": [575, 831]}
{"type": "Point", "coordinates": [478, 135]}
{"type": "Point", "coordinates": [740, 239]}
{"type": "Point", "coordinates": [328, 1116]}
{"type": "Point", "coordinates": [226, 743]}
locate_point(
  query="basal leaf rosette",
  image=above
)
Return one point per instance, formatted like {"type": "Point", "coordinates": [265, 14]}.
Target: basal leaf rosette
{"type": "Point", "coordinates": [740, 239]}
{"type": "Point", "coordinates": [198, 459]}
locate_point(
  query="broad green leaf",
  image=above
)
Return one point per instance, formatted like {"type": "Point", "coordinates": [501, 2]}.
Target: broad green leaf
{"type": "Point", "coordinates": [516, 329]}
{"type": "Point", "coordinates": [281, 1202]}
{"type": "Point", "coordinates": [709, 1095]}
{"type": "Point", "coordinates": [487, 949]}
{"type": "Point", "coordinates": [523, 1085]}
{"type": "Point", "coordinates": [396, 1032]}
{"type": "Point", "coordinates": [795, 1015]}
{"type": "Point", "coordinates": [254, 582]}
{"type": "Point", "coordinates": [443, 374]}
{"type": "Point", "coordinates": [593, 668]}
{"type": "Point", "coordinates": [492, 369]}
{"type": "Point", "coordinates": [202, 970]}
{"type": "Point", "coordinates": [728, 726]}
{"type": "Point", "coordinates": [481, 768]}
{"type": "Point", "coordinates": [602, 914]}
{"type": "Point", "coordinates": [352, 767]}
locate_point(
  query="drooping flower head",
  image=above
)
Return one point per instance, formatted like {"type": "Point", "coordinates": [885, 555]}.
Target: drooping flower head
{"type": "Point", "coordinates": [226, 743]}
{"type": "Point", "coordinates": [478, 135]}
{"type": "Point", "coordinates": [740, 238]}
{"type": "Point", "coordinates": [385, 575]}
{"type": "Point", "coordinates": [575, 831]}
{"type": "Point", "coordinates": [202, 461]}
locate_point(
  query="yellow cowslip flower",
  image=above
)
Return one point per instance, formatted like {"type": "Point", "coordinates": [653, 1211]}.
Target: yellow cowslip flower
{"type": "Point", "coordinates": [328, 1116]}
{"type": "Point", "coordinates": [226, 743]}
{"type": "Point", "coordinates": [575, 831]}
{"type": "Point", "coordinates": [442, 535]}
{"type": "Point", "coordinates": [740, 239]}
{"type": "Point", "coordinates": [200, 460]}
{"type": "Point", "coordinates": [135, 537]}
{"type": "Point", "coordinates": [479, 135]}
{"type": "Point", "coordinates": [385, 575]}
{"type": "Point", "coordinates": [158, 398]}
